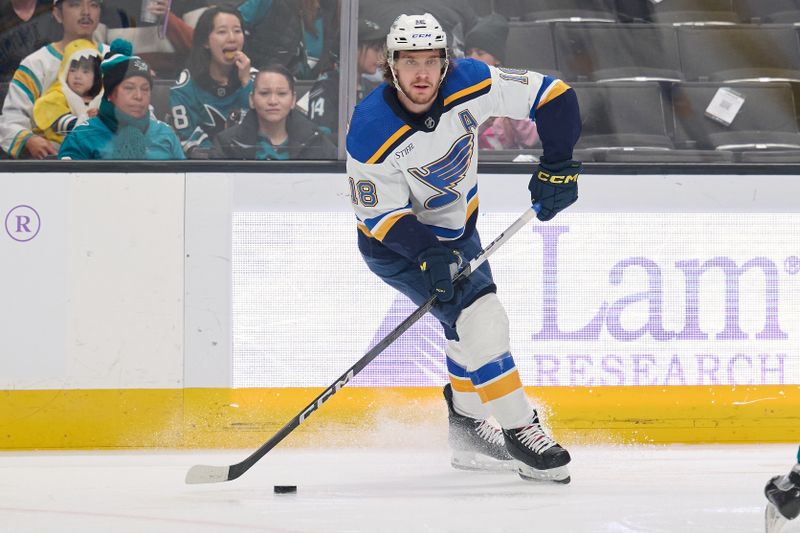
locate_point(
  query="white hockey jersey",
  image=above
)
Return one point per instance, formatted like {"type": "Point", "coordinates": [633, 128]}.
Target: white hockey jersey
{"type": "Point", "coordinates": [33, 76]}
{"type": "Point", "coordinates": [405, 170]}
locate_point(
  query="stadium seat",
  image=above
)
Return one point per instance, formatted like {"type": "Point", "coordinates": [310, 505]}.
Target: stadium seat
{"type": "Point", "coordinates": [622, 116]}
{"type": "Point", "coordinates": [769, 156]}
{"type": "Point", "coordinates": [634, 10]}
{"type": "Point", "coordinates": [530, 46]}
{"type": "Point", "coordinates": [739, 53]}
{"type": "Point", "coordinates": [301, 87]}
{"type": "Point", "coordinates": [481, 7]}
{"type": "Point", "coordinates": [159, 98]}
{"type": "Point", "coordinates": [695, 12]}
{"type": "Point", "coordinates": [511, 9]}
{"type": "Point", "coordinates": [598, 52]}
{"type": "Point", "coordinates": [766, 120]}
{"type": "Point", "coordinates": [671, 157]}
{"type": "Point", "coordinates": [568, 10]}
{"type": "Point", "coordinates": [768, 11]}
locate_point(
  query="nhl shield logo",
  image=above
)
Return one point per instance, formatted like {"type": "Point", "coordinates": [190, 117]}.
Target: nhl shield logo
{"type": "Point", "coordinates": [430, 123]}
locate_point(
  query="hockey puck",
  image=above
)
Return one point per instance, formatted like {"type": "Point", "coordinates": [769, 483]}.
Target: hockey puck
{"type": "Point", "coordinates": [285, 489]}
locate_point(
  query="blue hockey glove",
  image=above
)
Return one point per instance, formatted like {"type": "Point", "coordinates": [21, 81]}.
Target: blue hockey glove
{"type": "Point", "coordinates": [438, 266]}
{"type": "Point", "coordinates": [555, 187]}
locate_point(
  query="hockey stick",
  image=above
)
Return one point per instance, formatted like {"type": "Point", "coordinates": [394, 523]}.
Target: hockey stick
{"type": "Point", "coordinates": [213, 474]}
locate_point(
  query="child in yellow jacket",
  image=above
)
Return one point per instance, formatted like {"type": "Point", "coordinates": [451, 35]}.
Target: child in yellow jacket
{"type": "Point", "coordinates": [75, 96]}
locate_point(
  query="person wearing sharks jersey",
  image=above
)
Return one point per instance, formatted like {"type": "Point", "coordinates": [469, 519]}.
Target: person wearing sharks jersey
{"type": "Point", "coordinates": [412, 168]}
{"type": "Point", "coordinates": [213, 93]}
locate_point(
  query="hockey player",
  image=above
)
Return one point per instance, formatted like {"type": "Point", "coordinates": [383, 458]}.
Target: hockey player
{"type": "Point", "coordinates": [783, 493]}
{"type": "Point", "coordinates": [412, 168]}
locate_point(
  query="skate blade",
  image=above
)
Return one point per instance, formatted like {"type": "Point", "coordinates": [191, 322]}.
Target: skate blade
{"type": "Point", "coordinates": [553, 475]}
{"type": "Point", "coordinates": [475, 462]}
{"type": "Point", "coordinates": [773, 519]}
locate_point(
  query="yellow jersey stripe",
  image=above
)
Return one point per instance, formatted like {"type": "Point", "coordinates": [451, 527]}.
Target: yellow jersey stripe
{"type": "Point", "coordinates": [499, 388]}
{"type": "Point", "coordinates": [468, 91]}
{"type": "Point", "coordinates": [380, 231]}
{"type": "Point", "coordinates": [385, 146]}
{"type": "Point", "coordinates": [363, 229]}
{"type": "Point", "coordinates": [555, 90]}
{"type": "Point", "coordinates": [25, 79]}
{"type": "Point", "coordinates": [461, 384]}
{"type": "Point", "coordinates": [472, 206]}
{"type": "Point", "coordinates": [19, 142]}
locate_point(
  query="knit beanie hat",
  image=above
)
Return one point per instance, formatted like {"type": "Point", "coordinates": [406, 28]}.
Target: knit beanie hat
{"type": "Point", "coordinates": [490, 35]}
{"type": "Point", "coordinates": [120, 63]}
{"type": "Point", "coordinates": [370, 31]}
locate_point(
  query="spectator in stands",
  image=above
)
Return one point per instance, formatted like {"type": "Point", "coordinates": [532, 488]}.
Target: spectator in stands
{"type": "Point", "coordinates": [124, 128]}
{"type": "Point", "coordinates": [38, 71]}
{"type": "Point", "coordinates": [323, 98]}
{"type": "Point", "coordinates": [301, 35]}
{"type": "Point", "coordinates": [25, 26]}
{"type": "Point", "coordinates": [74, 97]}
{"type": "Point", "coordinates": [272, 128]}
{"type": "Point", "coordinates": [161, 31]}
{"type": "Point", "coordinates": [213, 92]}
{"type": "Point", "coordinates": [487, 42]}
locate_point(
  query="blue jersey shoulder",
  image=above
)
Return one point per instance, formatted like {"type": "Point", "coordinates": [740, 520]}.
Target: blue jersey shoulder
{"type": "Point", "coordinates": [467, 73]}
{"type": "Point", "coordinates": [372, 125]}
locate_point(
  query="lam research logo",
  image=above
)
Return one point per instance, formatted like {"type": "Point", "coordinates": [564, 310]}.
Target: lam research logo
{"type": "Point", "coordinates": [23, 223]}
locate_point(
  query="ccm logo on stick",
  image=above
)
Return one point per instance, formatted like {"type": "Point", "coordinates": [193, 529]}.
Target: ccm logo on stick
{"type": "Point", "coordinates": [325, 395]}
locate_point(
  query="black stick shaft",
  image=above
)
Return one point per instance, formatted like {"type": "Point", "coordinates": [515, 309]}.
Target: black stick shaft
{"type": "Point", "coordinates": [236, 470]}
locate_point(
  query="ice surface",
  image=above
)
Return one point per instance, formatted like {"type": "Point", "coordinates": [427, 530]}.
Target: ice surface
{"type": "Point", "coordinates": [617, 489]}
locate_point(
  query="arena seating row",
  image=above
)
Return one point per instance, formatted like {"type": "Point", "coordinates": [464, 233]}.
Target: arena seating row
{"type": "Point", "coordinates": [626, 121]}
{"type": "Point", "coordinates": [650, 121]}
{"type": "Point", "coordinates": [663, 11]}
{"type": "Point", "coordinates": [160, 94]}
{"type": "Point", "coordinates": [604, 51]}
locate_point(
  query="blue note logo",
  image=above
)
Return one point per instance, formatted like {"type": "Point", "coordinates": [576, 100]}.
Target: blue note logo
{"type": "Point", "coordinates": [23, 223]}
{"type": "Point", "coordinates": [444, 174]}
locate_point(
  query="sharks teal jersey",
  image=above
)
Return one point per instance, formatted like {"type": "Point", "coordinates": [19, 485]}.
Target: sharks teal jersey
{"type": "Point", "coordinates": [198, 115]}
{"type": "Point", "coordinates": [413, 179]}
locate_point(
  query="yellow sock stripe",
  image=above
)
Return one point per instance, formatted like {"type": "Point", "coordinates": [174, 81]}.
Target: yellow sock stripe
{"type": "Point", "coordinates": [500, 387]}
{"type": "Point", "coordinates": [461, 384]}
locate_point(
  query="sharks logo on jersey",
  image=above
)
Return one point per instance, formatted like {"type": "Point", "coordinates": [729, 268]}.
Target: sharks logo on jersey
{"type": "Point", "coordinates": [198, 115]}
{"type": "Point", "coordinates": [446, 172]}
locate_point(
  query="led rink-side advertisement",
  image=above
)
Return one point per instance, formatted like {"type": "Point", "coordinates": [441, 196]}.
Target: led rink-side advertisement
{"type": "Point", "coordinates": [594, 299]}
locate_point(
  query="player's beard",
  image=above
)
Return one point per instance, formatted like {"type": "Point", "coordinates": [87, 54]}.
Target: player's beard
{"type": "Point", "coordinates": [407, 91]}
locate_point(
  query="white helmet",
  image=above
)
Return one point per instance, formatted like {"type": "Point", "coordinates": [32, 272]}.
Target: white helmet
{"type": "Point", "coordinates": [415, 32]}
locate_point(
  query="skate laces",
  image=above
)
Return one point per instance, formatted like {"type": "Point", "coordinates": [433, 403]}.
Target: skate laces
{"type": "Point", "coordinates": [534, 437]}
{"type": "Point", "coordinates": [489, 433]}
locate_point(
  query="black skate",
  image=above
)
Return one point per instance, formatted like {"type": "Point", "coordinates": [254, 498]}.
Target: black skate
{"type": "Point", "coordinates": [539, 458]}
{"type": "Point", "coordinates": [475, 444]}
{"type": "Point", "coordinates": [783, 493]}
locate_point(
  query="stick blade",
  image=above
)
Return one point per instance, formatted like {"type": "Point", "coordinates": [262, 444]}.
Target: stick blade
{"type": "Point", "coordinates": [207, 474]}
{"type": "Point", "coordinates": [773, 520]}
